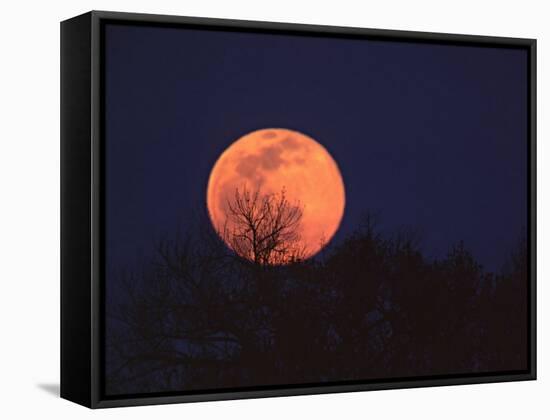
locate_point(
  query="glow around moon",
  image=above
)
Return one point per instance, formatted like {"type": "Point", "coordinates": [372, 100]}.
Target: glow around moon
{"type": "Point", "coordinates": [273, 159]}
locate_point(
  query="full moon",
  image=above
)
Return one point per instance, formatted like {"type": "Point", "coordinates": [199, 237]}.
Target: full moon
{"type": "Point", "coordinates": [272, 160]}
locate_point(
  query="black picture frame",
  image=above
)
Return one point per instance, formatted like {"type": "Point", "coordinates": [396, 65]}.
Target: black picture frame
{"type": "Point", "coordinates": [82, 212]}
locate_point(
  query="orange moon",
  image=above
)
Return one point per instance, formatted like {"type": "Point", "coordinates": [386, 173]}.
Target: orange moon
{"type": "Point", "coordinates": [271, 159]}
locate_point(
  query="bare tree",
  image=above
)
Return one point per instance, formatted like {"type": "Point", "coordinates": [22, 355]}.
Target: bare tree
{"type": "Point", "coordinates": [264, 228]}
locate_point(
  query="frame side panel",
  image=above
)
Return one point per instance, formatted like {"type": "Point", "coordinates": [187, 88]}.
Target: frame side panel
{"type": "Point", "coordinates": [76, 209]}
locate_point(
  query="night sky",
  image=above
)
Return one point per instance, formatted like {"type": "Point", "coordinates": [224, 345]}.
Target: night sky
{"type": "Point", "coordinates": [428, 136]}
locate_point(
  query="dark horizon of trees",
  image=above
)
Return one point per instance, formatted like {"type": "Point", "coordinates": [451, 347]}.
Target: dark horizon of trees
{"type": "Point", "coordinates": [200, 316]}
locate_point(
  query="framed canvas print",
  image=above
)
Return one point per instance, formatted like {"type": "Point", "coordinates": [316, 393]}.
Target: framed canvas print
{"type": "Point", "coordinates": [256, 209]}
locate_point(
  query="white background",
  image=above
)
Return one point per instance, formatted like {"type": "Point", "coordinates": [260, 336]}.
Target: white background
{"type": "Point", "coordinates": [29, 207]}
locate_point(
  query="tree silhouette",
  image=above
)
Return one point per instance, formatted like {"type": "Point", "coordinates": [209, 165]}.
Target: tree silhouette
{"type": "Point", "coordinates": [199, 316]}
{"type": "Point", "coordinates": [264, 228]}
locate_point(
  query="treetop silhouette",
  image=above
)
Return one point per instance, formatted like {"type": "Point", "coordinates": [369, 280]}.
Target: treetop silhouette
{"type": "Point", "coordinates": [264, 228]}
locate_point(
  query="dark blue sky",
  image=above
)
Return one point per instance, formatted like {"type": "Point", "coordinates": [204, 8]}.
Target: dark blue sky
{"type": "Point", "coordinates": [428, 136]}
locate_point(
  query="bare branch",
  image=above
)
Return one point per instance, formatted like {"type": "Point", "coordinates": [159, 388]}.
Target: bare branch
{"type": "Point", "coordinates": [264, 228]}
